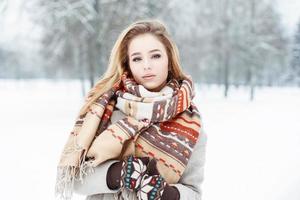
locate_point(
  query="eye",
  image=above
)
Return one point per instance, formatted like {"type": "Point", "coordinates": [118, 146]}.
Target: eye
{"type": "Point", "coordinates": [136, 59]}
{"type": "Point", "coordinates": [156, 56]}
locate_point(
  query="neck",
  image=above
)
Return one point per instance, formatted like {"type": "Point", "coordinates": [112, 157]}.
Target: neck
{"type": "Point", "coordinates": [157, 89]}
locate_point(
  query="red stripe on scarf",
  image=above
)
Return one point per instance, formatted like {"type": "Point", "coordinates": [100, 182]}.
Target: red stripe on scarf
{"type": "Point", "coordinates": [115, 136]}
{"type": "Point", "coordinates": [191, 122]}
{"type": "Point", "coordinates": [187, 132]}
{"type": "Point", "coordinates": [180, 102]}
{"type": "Point", "coordinates": [186, 97]}
{"type": "Point", "coordinates": [107, 114]}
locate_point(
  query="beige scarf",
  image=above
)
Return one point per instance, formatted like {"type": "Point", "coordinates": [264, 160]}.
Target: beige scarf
{"type": "Point", "coordinates": [162, 125]}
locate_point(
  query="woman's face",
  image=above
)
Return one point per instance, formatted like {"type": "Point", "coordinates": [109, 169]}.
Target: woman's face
{"type": "Point", "coordinates": [148, 61]}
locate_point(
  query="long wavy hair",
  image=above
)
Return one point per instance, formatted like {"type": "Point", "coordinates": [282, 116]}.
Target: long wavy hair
{"type": "Point", "coordinates": [119, 61]}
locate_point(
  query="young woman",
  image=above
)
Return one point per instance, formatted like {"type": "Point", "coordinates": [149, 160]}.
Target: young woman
{"type": "Point", "coordinates": [138, 135]}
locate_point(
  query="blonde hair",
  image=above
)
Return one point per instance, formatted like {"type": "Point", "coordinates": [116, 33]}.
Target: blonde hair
{"type": "Point", "coordinates": [118, 60]}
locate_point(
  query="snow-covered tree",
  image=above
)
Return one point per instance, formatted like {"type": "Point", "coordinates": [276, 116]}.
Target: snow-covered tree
{"type": "Point", "coordinates": [295, 63]}
{"type": "Point", "coordinates": [228, 42]}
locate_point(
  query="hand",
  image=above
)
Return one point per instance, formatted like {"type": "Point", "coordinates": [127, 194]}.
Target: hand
{"type": "Point", "coordinates": [154, 187]}
{"type": "Point", "coordinates": [127, 173]}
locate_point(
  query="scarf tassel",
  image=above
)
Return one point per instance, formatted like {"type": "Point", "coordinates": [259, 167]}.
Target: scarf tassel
{"type": "Point", "coordinates": [67, 175]}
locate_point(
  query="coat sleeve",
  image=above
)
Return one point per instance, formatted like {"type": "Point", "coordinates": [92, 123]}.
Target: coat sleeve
{"type": "Point", "coordinates": [95, 183]}
{"type": "Point", "coordinates": [189, 185]}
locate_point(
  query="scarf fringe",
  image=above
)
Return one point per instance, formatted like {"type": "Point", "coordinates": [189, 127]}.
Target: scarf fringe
{"type": "Point", "coordinates": [67, 175]}
{"type": "Point", "coordinates": [64, 182]}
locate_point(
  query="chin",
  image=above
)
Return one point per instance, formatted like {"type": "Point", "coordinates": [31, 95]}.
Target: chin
{"type": "Point", "coordinates": [150, 86]}
{"type": "Point", "coordinates": [153, 88]}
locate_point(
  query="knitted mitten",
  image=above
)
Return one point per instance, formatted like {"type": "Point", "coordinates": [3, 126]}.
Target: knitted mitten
{"type": "Point", "coordinates": [154, 187]}
{"type": "Point", "coordinates": [127, 173]}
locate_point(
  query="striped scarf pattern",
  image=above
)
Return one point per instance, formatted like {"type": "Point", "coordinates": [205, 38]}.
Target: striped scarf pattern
{"type": "Point", "coordinates": [161, 125]}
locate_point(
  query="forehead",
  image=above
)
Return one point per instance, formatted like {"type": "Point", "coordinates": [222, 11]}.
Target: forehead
{"type": "Point", "coordinates": [144, 43]}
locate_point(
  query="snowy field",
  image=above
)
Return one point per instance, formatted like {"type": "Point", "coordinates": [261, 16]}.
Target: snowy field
{"type": "Point", "coordinates": [253, 149]}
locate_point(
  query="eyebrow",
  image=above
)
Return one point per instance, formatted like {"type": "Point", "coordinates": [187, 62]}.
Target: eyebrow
{"type": "Point", "coordinates": [137, 53]}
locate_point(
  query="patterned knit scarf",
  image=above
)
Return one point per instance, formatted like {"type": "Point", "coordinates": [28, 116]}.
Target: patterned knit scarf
{"type": "Point", "coordinates": [162, 125]}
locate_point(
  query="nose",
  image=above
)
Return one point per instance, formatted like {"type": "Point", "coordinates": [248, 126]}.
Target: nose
{"type": "Point", "coordinates": [147, 65]}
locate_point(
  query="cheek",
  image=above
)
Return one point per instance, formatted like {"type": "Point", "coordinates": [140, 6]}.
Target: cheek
{"type": "Point", "coordinates": [163, 69]}
{"type": "Point", "coordinates": [135, 71]}
{"type": "Point", "coordinates": [133, 68]}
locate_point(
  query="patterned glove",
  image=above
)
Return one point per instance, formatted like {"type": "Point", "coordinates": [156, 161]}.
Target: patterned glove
{"type": "Point", "coordinates": [127, 173]}
{"type": "Point", "coordinates": [154, 187]}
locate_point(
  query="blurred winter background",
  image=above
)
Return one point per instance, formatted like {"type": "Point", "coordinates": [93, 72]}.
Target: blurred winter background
{"type": "Point", "coordinates": [243, 54]}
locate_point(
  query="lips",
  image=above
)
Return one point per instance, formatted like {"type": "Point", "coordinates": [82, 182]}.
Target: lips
{"type": "Point", "coordinates": [148, 76]}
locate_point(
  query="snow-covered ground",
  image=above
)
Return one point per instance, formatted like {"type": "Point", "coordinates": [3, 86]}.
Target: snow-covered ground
{"type": "Point", "coordinates": [253, 148]}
